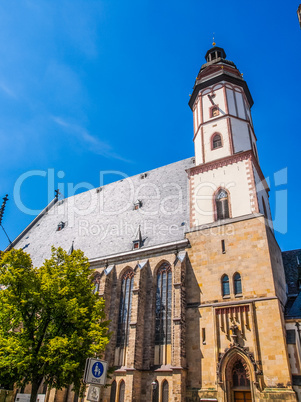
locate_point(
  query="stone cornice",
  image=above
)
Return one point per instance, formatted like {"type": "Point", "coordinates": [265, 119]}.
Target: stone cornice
{"type": "Point", "coordinates": [139, 254]}
{"type": "Point", "coordinates": [235, 302]}
{"type": "Point", "coordinates": [228, 160]}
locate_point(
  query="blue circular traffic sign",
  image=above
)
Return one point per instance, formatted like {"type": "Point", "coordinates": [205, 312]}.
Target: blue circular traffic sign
{"type": "Point", "coordinates": [97, 369]}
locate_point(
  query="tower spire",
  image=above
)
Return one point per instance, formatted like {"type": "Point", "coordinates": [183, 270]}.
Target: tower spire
{"type": "Point", "coordinates": [5, 199]}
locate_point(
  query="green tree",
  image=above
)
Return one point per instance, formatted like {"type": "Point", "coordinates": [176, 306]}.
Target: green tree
{"type": "Point", "coordinates": [50, 320]}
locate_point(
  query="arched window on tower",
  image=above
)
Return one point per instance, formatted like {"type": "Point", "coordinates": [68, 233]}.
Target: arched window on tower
{"type": "Point", "coordinates": [163, 315]}
{"type": "Point", "coordinates": [217, 141]}
{"type": "Point", "coordinates": [124, 315]}
{"type": "Point", "coordinates": [237, 284]}
{"type": "Point", "coordinates": [222, 204]}
{"type": "Point", "coordinates": [225, 285]}
{"type": "Point", "coordinates": [165, 391]}
{"type": "Point", "coordinates": [214, 111]}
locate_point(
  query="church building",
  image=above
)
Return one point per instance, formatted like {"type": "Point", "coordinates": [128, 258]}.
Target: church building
{"type": "Point", "coordinates": [186, 259]}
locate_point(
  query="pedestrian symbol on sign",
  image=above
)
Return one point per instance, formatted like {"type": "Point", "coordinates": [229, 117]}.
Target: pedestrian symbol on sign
{"type": "Point", "coordinates": [95, 372]}
{"type": "Point", "coordinates": [97, 369]}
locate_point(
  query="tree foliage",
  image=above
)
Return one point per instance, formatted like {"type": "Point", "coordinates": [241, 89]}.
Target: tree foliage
{"type": "Point", "coordinates": [50, 320]}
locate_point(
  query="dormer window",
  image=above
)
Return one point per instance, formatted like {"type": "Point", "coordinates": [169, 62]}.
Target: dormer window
{"type": "Point", "coordinates": [136, 244]}
{"type": "Point", "coordinates": [214, 111]}
{"type": "Point", "coordinates": [60, 226]}
{"type": "Point", "coordinates": [137, 205]}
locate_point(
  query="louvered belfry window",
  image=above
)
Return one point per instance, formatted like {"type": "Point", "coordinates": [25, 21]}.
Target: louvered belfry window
{"type": "Point", "coordinates": [125, 309]}
{"type": "Point", "coordinates": [222, 204]}
{"type": "Point", "coordinates": [163, 306]}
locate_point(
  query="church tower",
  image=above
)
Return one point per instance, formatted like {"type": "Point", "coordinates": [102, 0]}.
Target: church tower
{"type": "Point", "coordinates": [227, 166]}
{"type": "Point", "coordinates": [235, 288]}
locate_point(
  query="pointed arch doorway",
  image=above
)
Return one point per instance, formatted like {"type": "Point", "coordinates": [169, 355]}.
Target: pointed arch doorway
{"type": "Point", "coordinates": [238, 380]}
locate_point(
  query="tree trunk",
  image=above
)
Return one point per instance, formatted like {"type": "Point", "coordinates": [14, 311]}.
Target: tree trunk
{"type": "Point", "coordinates": [36, 382]}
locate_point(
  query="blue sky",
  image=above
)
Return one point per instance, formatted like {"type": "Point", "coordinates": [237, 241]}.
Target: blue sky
{"type": "Point", "coordinates": [104, 85]}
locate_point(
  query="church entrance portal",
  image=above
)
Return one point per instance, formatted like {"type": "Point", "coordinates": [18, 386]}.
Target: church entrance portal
{"type": "Point", "coordinates": [242, 396]}
{"type": "Point", "coordinates": [238, 379]}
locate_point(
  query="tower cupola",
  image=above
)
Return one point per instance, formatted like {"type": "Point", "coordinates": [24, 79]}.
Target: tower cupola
{"type": "Point", "coordinates": [215, 53]}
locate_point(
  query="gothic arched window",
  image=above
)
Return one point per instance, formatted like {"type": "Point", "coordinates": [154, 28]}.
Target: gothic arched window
{"type": "Point", "coordinates": [113, 392]}
{"type": "Point", "coordinates": [222, 204]}
{"type": "Point", "coordinates": [225, 285]}
{"type": "Point", "coordinates": [239, 375]}
{"type": "Point", "coordinates": [165, 391]}
{"type": "Point", "coordinates": [237, 284]}
{"type": "Point", "coordinates": [155, 392]}
{"type": "Point", "coordinates": [125, 309]}
{"type": "Point", "coordinates": [217, 141]}
{"type": "Point", "coordinates": [121, 391]}
{"type": "Point", "coordinates": [163, 312]}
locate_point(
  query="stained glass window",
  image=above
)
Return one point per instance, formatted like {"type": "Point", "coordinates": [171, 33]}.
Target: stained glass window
{"type": "Point", "coordinates": [163, 306]}
{"type": "Point", "coordinates": [125, 309]}
{"type": "Point", "coordinates": [113, 392]}
{"type": "Point", "coordinates": [240, 378]}
{"type": "Point", "coordinates": [165, 391]}
{"type": "Point", "coordinates": [121, 392]}
{"type": "Point", "coordinates": [156, 392]}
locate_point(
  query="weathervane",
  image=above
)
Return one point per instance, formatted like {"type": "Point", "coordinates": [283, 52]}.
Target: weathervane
{"type": "Point", "coordinates": [213, 43]}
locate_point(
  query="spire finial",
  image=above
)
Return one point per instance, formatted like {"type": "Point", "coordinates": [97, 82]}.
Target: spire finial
{"type": "Point", "coordinates": [213, 43]}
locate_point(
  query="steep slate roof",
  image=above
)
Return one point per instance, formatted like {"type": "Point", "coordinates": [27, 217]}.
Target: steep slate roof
{"type": "Point", "coordinates": [103, 222]}
{"type": "Point", "coordinates": [294, 310]}
{"type": "Point", "coordinates": [290, 263]}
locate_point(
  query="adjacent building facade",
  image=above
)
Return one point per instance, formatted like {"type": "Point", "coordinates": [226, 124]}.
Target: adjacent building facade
{"type": "Point", "coordinates": [186, 259]}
